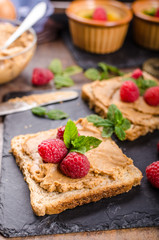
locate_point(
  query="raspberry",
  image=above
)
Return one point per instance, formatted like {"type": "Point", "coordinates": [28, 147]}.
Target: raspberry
{"type": "Point", "coordinates": [75, 165]}
{"type": "Point", "coordinates": [129, 92]}
{"type": "Point", "coordinates": [52, 150]}
{"type": "Point", "coordinates": [99, 14]}
{"type": "Point", "coordinates": [152, 173]}
{"type": "Point", "coordinates": [151, 96]}
{"type": "Point", "coordinates": [41, 76]}
{"type": "Point", "coordinates": [157, 13]}
{"type": "Point", "coordinates": [60, 133]}
{"type": "Point", "coordinates": [136, 73]}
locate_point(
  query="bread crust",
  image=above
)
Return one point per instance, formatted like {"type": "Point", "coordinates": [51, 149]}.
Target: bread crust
{"type": "Point", "coordinates": [136, 130]}
{"type": "Point", "coordinates": [44, 202]}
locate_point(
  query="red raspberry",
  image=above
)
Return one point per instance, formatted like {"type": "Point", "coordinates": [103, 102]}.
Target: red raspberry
{"type": "Point", "coordinates": [136, 73]}
{"type": "Point", "coordinates": [152, 173]}
{"type": "Point", "coordinates": [60, 133]}
{"type": "Point", "coordinates": [151, 96]}
{"type": "Point", "coordinates": [41, 76]}
{"type": "Point", "coordinates": [129, 92]}
{"type": "Point", "coordinates": [100, 14]}
{"type": "Point", "coordinates": [157, 13]}
{"type": "Point", "coordinates": [75, 165]}
{"type": "Point", "coordinates": [52, 150]}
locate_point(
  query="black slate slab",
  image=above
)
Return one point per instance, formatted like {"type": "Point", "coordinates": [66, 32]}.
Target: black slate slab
{"type": "Point", "coordinates": [137, 208]}
{"type": "Point", "coordinates": [130, 55]}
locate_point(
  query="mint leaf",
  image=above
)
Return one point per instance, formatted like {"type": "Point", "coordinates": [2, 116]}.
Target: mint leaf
{"type": "Point", "coordinates": [103, 66]}
{"type": "Point", "coordinates": [115, 70]}
{"type": "Point", "coordinates": [144, 84]}
{"type": "Point", "coordinates": [56, 66]}
{"type": "Point", "coordinates": [103, 76]}
{"type": "Point", "coordinates": [39, 111]}
{"type": "Point", "coordinates": [107, 132]}
{"type": "Point", "coordinates": [111, 112]}
{"type": "Point", "coordinates": [83, 144]}
{"type": "Point", "coordinates": [115, 122]}
{"type": "Point", "coordinates": [92, 74]}
{"type": "Point", "coordinates": [120, 133]}
{"type": "Point", "coordinates": [70, 133]}
{"type": "Point", "coordinates": [118, 117]}
{"type": "Point", "coordinates": [94, 118]}
{"type": "Point", "coordinates": [63, 81]}
{"type": "Point", "coordinates": [72, 70]}
{"type": "Point", "coordinates": [56, 114]}
{"type": "Point", "coordinates": [104, 123]}
{"type": "Point", "coordinates": [125, 124]}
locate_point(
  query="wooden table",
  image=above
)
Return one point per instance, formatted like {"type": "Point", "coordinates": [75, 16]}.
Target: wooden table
{"type": "Point", "coordinates": [44, 54]}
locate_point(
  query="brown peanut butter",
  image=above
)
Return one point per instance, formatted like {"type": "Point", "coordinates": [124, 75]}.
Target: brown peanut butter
{"type": "Point", "coordinates": [105, 160]}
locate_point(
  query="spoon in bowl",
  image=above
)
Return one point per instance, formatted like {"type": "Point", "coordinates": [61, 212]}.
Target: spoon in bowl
{"type": "Point", "coordinates": [36, 14]}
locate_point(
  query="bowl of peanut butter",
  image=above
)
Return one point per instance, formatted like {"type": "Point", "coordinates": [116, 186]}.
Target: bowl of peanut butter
{"type": "Point", "coordinates": [16, 57]}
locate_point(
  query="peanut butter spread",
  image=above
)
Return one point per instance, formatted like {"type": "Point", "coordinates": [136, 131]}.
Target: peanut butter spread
{"type": "Point", "coordinates": [44, 98]}
{"type": "Point", "coordinates": [14, 58]}
{"type": "Point", "coordinates": [17, 46]}
{"type": "Point", "coordinates": [101, 95]}
{"type": "Point", "coordinates": [105, 160]}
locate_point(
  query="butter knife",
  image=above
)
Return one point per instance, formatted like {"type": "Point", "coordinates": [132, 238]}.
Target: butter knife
{"type": "Point", "coordinates": [34, 100]}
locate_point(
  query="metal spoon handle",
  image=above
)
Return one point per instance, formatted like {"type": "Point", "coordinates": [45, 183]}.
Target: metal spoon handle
{"type": "Point", "coordinates": [36, 13]}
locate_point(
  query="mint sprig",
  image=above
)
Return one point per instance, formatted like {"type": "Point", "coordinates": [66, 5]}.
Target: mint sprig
{"type": "Point", "coordinates": [115, 123]}
{"type": "Point", "coordinates": [75, 143]}
{"type": "Point", "coordinates": [143, 84]}
{"type": "Point", "coordinates": [62, 76]}
{"type": "Point", "coordinates": [53, 114]}
{"type": "Point", "coordinates": [105, 71]}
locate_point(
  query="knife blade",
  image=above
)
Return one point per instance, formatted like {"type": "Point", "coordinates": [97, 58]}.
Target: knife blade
{"type": "Point", "coordinates": [34, 100]}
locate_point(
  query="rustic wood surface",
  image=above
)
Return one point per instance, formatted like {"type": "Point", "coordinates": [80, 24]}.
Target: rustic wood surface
{"type": "Point", "coordinates": [42, 57]}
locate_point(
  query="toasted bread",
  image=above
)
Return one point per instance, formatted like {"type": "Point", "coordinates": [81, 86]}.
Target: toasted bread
{"type": "Point", "coordinates": [111, 173]}
{"type": "Point", "coordinates": [101, 94]}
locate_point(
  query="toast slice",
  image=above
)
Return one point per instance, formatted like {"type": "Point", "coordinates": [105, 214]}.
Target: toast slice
{"type": "Point", "coordinates": [101, 94]}
{"type": "Point", "coordinates": [111, 172]}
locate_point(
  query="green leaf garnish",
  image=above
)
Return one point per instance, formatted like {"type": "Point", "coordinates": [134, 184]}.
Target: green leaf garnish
{"type": "Point", "coordinates": [143, 84]}
{"type": "Point", "coordinates": [84, 144]}
{"type": "Point", "coordinates": [92, 74]}
{"type": "Point", "coordinates": [39, 111]}
{"type": "Point", "coordinates": [106, 71]}
{"type": "Point", "coordinates": [115, 123]}
{"type": "Point", "coordinates": [94, 118]}
{"type": "Point", "coordinates": [56, 66]}
{"type": "Point", "coordinates": [62, 76]}
{"type": "Point", "coordinates": [75, 143]}
{"type": "Point", "coordinates": [120, 133]}
{"type": "Point", "coordinates": [111, 112]}
{"type": "Point", "coordinates": [125, 124]}
{"type": "Point", "coordinates": [70, 133]}
{"type": "Point", "coordinates": [55, 114]}
{"type": "Point", "coordinates": [69, 71]}
{"type": "Point", "coordinates": [103, 66]}
{"type": "Point", "coordinates": [107, 132]}
{"type": "Point", "coordinates": [63, 81]}
{"type": "Point", "coordinates": [118, 117]}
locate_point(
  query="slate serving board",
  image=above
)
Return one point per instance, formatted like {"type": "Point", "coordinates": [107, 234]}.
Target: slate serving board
{"type": "Point", "coordinates": [130, 55]}
{"type": "Point", "coordinates": [137, 208]}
